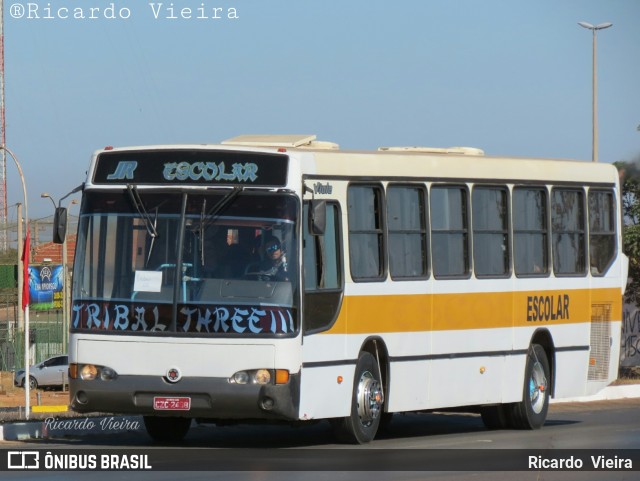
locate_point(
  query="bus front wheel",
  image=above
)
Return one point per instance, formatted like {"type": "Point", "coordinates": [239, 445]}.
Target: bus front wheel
{"type": "Point", "coordinates": [531, 412]}
{"type": "Point", "coordinates": [367, 402]}
{"type": "Point", "coordinates": [166, 429]}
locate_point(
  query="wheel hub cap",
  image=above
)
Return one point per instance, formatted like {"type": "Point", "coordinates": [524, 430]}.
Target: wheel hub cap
{"type": "Point", "coordinates": [537, 388]}
{"type": "Point", "coordinates": [370, 398]}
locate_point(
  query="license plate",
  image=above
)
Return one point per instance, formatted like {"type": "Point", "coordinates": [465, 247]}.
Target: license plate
{"type": "Point", "coordinates": [171, 403]}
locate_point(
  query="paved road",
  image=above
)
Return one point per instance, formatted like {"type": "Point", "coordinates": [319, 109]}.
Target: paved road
{"type": "Point", "coordinates": [597, 426]}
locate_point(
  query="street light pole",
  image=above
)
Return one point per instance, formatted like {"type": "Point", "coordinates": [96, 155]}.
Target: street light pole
{"type": "Point", "coordinates": [20, 269]}
{"type": "Point", "coordinates": [594, 122]}
{"type": "Point", "coordinates": [27, 360]}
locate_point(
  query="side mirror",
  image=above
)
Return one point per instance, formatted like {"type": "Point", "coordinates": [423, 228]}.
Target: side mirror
{"type": "Point", "coordinates": [59, 225]}
{"type": "Point", "coordinates": [318, 217]}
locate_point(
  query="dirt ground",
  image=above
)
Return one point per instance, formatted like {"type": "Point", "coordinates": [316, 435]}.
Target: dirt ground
{"type": "Point", "coordinates": [11, 397]}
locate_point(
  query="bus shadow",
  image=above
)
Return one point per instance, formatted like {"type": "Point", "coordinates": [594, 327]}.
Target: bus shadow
{"type": "Point", "coordinates": [304, 435]}
{"type": "Point", "coordinates": [320, 434]}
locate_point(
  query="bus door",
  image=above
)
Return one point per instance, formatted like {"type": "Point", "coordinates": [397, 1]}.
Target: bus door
{"type": "Point", "coordinates": [324, 342]}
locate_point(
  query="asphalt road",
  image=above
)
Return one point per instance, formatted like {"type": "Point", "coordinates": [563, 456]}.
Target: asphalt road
{"type": "Point", "coordinates": [413, 440]}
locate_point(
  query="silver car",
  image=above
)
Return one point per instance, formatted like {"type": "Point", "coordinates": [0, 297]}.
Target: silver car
{"type": "Point", "coordinates": [51, 372]}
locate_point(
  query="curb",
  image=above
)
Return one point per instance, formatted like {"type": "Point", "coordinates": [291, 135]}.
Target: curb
{"type": "Point", "coordinates": [611, 393]}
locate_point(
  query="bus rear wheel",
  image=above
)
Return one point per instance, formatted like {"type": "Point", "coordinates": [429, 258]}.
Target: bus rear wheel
{"type": "Point", "coordinates": [531, 412]}
{"type": "Point", "coordinates": [167, 429]}
{"type": "Point", "coordinates": [367, 403]}
{"type": "Point", "coordinates": [496, 417]}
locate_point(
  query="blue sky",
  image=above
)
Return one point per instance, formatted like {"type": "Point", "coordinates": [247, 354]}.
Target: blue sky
{"type": "Point", "coordinates": [509, 76]}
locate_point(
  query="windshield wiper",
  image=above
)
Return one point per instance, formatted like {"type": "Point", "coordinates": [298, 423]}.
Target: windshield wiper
{"type": "Point", "coordinates": [137, 202]}
{"type": "Point", "coordinates": [217, 209]}
{"type": "Point", "coordinates": [153, 237]}
{"type": "Point", "coordinates": [207, 218]}
{"type": "Point", "coordinates": [201, 233]}
{"type": "Point", "coordinates": [222, 203]}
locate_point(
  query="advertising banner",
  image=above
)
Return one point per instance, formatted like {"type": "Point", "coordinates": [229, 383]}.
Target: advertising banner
{"type": "Point", "coordinates": [45, 287]}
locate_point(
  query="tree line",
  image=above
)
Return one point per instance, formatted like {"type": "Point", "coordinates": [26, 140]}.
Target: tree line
{"type": "Point", "coordinates": [630, 182]}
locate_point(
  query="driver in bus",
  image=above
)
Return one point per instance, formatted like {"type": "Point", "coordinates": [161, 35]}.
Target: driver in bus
{"type": "Point", "coordinates": [274, 263]}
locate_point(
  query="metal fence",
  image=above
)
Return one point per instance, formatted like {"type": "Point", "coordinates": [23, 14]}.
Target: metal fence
{"type": "Point", "coordinates": [46, 333]}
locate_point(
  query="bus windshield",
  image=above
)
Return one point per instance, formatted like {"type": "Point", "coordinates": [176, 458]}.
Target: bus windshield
{"type": "Point", "coordinates": [220, 262]}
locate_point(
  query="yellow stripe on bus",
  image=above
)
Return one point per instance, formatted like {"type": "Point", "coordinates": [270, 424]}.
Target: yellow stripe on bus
{"type": "Point", "coordinates": [486, 310]}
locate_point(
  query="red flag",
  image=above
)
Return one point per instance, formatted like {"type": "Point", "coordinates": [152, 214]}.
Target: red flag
{"type": "Point", "coordinates": [25, 272]}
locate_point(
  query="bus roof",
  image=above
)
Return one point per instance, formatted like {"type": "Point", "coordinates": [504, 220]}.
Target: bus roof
{"type": "Point", "coordinates": [410, 162]}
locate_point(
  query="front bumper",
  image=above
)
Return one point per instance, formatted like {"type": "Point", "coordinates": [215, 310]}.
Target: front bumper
{"type": "Point", "coordinates": [211, 398]}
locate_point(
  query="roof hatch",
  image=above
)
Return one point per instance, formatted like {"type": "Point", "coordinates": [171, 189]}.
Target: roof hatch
{"type": "Point", "coordinates": [287, 141]}
{"type": "Point", "coordinates": [435, 150]}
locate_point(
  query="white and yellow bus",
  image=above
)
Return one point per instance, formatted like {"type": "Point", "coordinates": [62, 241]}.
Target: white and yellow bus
{"type": "Point", "coordinates": [280, 278]}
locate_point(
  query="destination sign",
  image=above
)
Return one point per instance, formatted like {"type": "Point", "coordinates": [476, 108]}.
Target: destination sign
{"type": "Point", "coordinates": [137, 317]}
{"type": "Point", "coordinates": [191, 166]}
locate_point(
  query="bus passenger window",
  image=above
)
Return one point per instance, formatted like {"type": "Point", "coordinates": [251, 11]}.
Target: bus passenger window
{"type": "Point", "coordinates": [530, 231]}
{"type": "Point", "coordinates": [490, 231]}
{"type": "Point", "coordinates": [366, 252]}
{"type": "Point", "coordinates": [449, 231]}
{"type": "Point", "coordinates": [568, 228]}
{"type": "Point", "coordinates": [406, 220]}
{"type": "Point", "coordinates": [602, 231]}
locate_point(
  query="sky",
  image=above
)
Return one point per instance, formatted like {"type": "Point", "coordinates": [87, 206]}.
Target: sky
{"type": "Point", "coordinates": [511, 77]}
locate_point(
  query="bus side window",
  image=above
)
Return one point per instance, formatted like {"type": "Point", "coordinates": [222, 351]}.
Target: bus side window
{"type": "Point", "coordinates": [366, 232]}
{"type": "Point", "coordinates": [490, 209]}
{"type": "Point", "coordinates": [407, 232]}
{"type": "Point", "coordinates": [450, 231]}
{"type": "Point", "coordinates": [322, 264]}
{"type": "Point", "coordinates": [602, 231]}
{"type": "Point", "coordinates": [530, 231]}
{"type": "Point", "coordinates": [568, 232]}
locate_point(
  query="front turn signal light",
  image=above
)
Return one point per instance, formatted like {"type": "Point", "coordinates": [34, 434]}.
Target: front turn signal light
{"type": "Point", "coordinates": [282, 376]}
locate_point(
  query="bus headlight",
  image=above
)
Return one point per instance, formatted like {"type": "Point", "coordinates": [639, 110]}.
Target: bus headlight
{"type": "Point", "coordinates": [88, 372]}
{"type": "Point", "coordinates": [107, 374]}
{"type": "Point", "coordinates": [241, 377]}
{"type": "Point", "coordinates": [263, 376]}
{"type": "Point", "coordinates": [260, 376]}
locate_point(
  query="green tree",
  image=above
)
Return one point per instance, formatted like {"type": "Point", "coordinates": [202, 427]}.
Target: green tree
{"type": "Point", "coordinates": [630, 180]}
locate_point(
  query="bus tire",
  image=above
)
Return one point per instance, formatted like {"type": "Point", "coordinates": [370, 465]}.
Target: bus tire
{"type": "Point", "coordinates": [167, 429]}
{"type": "Point", "coordinates": [367, 403]}
{"type": "Point", "coordinates": [385, 423]}
{"type": "Point", "coordinates": [531, 412]}
{"type": "Point", "coordinates": [496, 417]}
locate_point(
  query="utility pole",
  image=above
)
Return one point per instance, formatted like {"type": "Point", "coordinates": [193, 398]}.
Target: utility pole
{"type": "Point", "coordinates": [3, 141]}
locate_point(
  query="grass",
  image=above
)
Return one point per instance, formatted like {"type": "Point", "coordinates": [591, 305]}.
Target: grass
{"type": "Point", "coordinates": [628, 375]}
